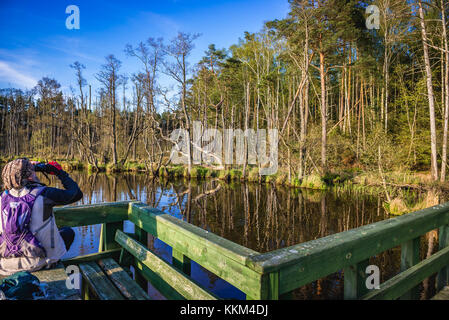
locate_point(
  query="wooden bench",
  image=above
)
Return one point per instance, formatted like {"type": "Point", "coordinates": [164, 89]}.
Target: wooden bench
{"type": "Point", "coordinates": [104, 279]}
{"type": "Point", "coordinates": [155, 269]}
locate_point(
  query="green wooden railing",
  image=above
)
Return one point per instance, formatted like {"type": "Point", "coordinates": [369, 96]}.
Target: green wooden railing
{"type": "Point", "coordinates": [275, 274]}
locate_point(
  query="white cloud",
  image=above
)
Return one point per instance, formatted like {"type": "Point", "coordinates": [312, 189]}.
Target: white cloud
{"type": "Point", "coordinates": [10, 74]}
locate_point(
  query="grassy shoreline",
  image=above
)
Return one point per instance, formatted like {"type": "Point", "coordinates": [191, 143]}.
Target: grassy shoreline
{"type": "Point", "coordinates": [397, 187]}
{"type": "Point", "coordinates": [338, 178]}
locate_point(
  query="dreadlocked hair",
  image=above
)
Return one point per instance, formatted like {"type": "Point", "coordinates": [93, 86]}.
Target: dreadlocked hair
{"type": "Point", "coordinates": [15, 174]}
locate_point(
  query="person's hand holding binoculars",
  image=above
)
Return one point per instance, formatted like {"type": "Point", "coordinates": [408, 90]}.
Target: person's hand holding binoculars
{"type": "Point", "coordinates": [51, 167]}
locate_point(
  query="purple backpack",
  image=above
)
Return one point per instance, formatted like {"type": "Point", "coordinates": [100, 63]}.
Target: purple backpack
{"type": "Point", "coordinates": [16, 239]}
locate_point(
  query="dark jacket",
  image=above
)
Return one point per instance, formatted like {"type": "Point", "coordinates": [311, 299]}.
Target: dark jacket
{"type": "Point", "coordinates": [54, 196]}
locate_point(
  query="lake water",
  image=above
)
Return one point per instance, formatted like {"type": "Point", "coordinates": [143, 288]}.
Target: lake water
{"type": "Point", "coordinates": [260, 217]}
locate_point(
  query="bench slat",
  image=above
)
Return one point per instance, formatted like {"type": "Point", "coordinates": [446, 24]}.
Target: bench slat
{"type": "Point", "coordinates": [127, 286]}
{"type": "Point", "coordinates": [99, 282]}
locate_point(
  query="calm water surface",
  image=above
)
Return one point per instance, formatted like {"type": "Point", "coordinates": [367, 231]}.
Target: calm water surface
{"type": "Point", "coordinates": [260, 217]}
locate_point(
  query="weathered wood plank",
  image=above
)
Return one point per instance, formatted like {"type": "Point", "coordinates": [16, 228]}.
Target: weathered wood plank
{"type": "Point", "coordinates": [181, 283]}
{"type": "Point", "coordinates": [75, 216]}
{"type": "Point", "coordinates": [204, 248]}
{"type": "Point", "coordinates": [404, 281]}
{"type": "Point", "coordinates": [98, 282]}
{"type": "Point", "coordinates": [127, 286]}
{"type": "Point", "coordinates": [303, 263]}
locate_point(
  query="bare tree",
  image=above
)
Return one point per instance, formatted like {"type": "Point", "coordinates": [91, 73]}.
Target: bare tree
{"type": "Point", "coordinates": [83, 129]}
{"type": "Point", "coordinates": [110, 78]}
{"type": "Point", "coordinates": [150, 54]}
{"type": "Point", "coordinates": [177, 68]}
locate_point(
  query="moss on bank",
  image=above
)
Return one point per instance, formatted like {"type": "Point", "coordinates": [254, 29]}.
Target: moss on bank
{"type": "Point", "coordinates": [401, 204]}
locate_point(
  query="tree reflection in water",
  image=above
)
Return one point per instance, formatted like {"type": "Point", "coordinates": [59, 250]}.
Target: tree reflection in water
{"type": "Point", "coordinates": [258, 216]}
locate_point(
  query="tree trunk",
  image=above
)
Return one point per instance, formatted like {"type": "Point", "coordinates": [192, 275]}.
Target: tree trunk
{"type": "Point", "coordinates": [433, 135]}
{"type": "Point", "coordinates": [446, 96]}
{"type": "Point", "coordinates": [323, 114]}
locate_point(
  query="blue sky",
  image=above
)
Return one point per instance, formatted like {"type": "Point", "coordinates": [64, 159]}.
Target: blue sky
{"type": "Point", "coordinates": [34, 41]}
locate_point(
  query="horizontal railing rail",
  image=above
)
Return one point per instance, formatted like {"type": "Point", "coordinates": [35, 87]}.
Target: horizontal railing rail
{"type": "Point", "coordinates": [85, 215]}
{"type": "Point", "coordinates": [273, 274]}
{"type": "Point", "coordinates": [301, 264]}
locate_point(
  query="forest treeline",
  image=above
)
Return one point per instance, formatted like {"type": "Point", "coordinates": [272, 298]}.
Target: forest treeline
{"type": "Point", "coordinates": [343, 97]}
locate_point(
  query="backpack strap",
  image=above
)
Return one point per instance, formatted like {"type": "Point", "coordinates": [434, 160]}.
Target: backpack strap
{"type": "Point", "coordinates": [4, 193]}
{"type": "Point", "coordinates": [35, 192]}
{"type": "Point", "coordinates": [2, 196]}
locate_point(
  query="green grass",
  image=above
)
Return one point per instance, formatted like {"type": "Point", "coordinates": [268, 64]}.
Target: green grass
{"type": "Point", "coordinates": [134, 166]}
{"type": "Point", "coordinates": [111, 168]}
{"type": "Point", "coordinates": [235, 174]}
{"type": "Point", "coordinates": [198, 172]}
{"type": "Point", "coordinates": [212, 173]}
{"type": "Point", "coordinates": [253, 174]}
{"type": "Point", "coordinates": [281, 178]}
{"type": "Point", "coordinates": [224, 175]}
{"type": "Point", "coordinates": [313, 181]}
{"type": "Point", "coordinates": [172, 171]}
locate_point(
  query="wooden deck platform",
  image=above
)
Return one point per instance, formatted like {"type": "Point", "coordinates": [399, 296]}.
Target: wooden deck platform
{"type": "Point", "coordinates": [55, 281]}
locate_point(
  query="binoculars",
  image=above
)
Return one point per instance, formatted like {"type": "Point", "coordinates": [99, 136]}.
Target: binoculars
{"type": "Point", "coordinates": [40, 167]}
{"type": "Point", "coordinates": [52, 167]}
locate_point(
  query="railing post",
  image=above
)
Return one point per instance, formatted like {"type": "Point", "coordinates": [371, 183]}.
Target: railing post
{"type": "Point", "coordinates": [274, 286]}
{"type": "Point", "coordinates": [355, 280]}
{"type": "Point", "coordinates": [443, 242]}
{"type": "Point", "coordinates": [410, 257]}
{"type": "Point", "coordinates": [142, 237]}
{"type": "Point", "coordinates": [107, 236]}
{"type": "Point", "coordinates": [181, 262]}
{"type": "Point", "coordinates": [270, 289]}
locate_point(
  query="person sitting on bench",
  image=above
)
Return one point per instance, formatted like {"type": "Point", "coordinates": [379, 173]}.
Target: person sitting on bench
{"type": "Point", "coordinates": [29, 237]}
